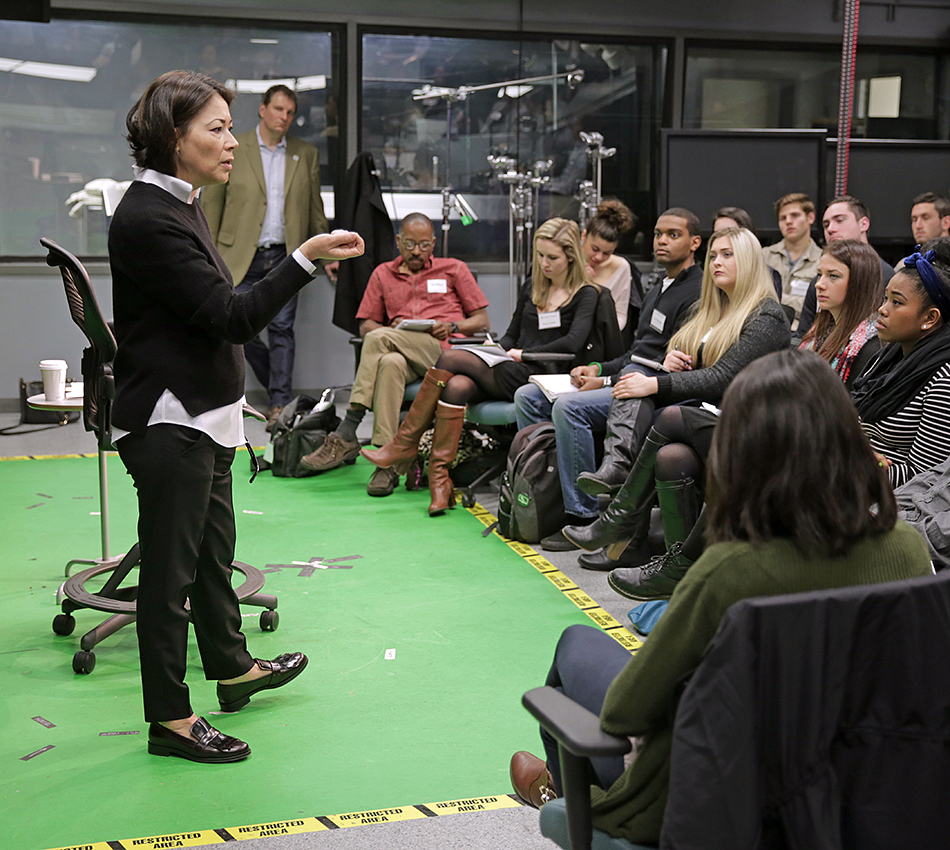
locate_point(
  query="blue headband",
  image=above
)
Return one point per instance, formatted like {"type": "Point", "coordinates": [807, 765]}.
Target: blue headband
{"type": "Point", "coordinates": [933, 283]}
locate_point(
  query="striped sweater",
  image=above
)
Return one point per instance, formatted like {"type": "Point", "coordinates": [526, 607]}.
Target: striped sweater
{"type": "Point", "coordinates": [918, 436]}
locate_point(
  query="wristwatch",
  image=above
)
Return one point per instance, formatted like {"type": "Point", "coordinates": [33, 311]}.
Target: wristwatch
{"type": "Point", "coordinates": [454, 328]}
{"type": "Point", "coordinates": [608, 380]}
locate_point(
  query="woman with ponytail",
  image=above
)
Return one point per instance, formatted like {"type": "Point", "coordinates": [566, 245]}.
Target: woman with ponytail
{"type": "Point", "coordinates": [599, 241]}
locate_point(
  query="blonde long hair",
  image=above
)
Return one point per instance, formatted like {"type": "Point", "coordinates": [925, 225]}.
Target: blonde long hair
{"type": "Point", "coordinates": [567, 236]}
{"type": "Point", "coordinates": [720, 315]}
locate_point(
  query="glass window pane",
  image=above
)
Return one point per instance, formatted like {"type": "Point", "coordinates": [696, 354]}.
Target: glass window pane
{"type": "Point", "coordinates": [65, 89]}
{"type": "Point", "coordinates": [422, 144]}
{"type": "Point", "coordinates": [732, 88]}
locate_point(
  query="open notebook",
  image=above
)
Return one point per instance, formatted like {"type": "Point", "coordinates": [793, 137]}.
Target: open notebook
{"type": "Point", "coordinates": [554, 386]}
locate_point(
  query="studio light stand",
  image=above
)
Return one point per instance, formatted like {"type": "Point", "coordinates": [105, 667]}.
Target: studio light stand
{"type": "Point", "coordinates": [523, 190]}
{"type": "Point", "coordinates": [525, 206]}
{"type": "Point", "coordinates": [589, 192]}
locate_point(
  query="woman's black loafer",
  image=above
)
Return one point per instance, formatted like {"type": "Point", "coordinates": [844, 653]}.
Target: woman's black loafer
{"type": "Point", "coordinates": [211, 747]}
{"type": "Point", "coordinates": [283, 669]}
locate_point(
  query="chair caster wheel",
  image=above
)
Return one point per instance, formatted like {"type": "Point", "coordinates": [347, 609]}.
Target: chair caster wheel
{"type": "Point", "coordinates": [269, 621]}
{"type": "Point", "coordinates": [84, 662]}
{"type": "Point", "coordinates": [63, 624]}
{"type": "Point", "coordinates": [468, 500]}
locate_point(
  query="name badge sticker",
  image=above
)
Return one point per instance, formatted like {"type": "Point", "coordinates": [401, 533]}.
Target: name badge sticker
{"type": "Point", "coordinates": [549, 320]}
{"type": "Point", "coordinates": [799, 287]}
{"type": "Point", "coordinates": [437, 284]}
{"type": "Point", "coordinates": [658, 321]}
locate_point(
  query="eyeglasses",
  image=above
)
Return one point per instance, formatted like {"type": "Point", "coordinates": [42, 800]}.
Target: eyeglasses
{"type": "Point", "coordinates": [410, 244]}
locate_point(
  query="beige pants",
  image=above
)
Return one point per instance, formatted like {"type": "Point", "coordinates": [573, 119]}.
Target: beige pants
{"type": "Point", "coordinates": [389, 360]}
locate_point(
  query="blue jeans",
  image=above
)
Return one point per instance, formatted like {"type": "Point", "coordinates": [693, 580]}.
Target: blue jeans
{"type": "Point", "coordinates": [576, 417]}
{"type": "Point", "coordinates": [272, 362]}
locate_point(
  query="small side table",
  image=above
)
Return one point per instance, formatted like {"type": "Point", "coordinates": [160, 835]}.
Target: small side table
{"type": "Point", "coordinates": [73, 400]}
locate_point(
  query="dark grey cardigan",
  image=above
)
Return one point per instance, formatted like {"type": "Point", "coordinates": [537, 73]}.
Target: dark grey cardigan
{"type": "Point", "coordinates": [765, 330]}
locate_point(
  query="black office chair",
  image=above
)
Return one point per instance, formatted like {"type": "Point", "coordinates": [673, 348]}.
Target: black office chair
{"type": "Point", "coordinates": [113, 598]}
{"type": "Point", "coordinates": [817, 719]}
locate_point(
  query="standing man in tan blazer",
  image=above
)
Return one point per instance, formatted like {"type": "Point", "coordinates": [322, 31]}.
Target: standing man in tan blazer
{"type": "Point", "coordinates": [270, 205]}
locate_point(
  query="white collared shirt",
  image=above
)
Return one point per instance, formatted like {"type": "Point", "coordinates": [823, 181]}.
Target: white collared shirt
{"type": "Point", "coordinates": [181, 189]}
{"type": "Point", "coordinates": [275, 168]}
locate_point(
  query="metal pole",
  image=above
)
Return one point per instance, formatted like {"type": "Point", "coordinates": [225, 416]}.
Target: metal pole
{"type": "Point", "coordinates": [512, 283]}
{"type": "Point", "coordinates": [446, 191]}
{"type": "Point", "coordinates": [104, 502]}
{"type": "Point", "coordinates": [849, 48]}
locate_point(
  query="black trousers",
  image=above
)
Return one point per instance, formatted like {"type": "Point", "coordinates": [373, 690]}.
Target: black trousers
{"type": "Point", "coordinates": [186, 533]}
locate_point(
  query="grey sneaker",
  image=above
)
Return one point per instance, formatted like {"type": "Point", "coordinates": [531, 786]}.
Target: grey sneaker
{"type": "Point", "coordinates": [334, 452]}
{"type": "Point", "coordinates": [382, 482]}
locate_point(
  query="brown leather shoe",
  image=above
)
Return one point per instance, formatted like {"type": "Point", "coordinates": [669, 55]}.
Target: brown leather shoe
{"type": "Point", "coordinates": [382, 482]}
{"type": "Point", "coordinates": [531, 779]}
{"type": "Point", "coordinates": [334, 452]}
{"type": "Point", "coordinates": [272, 413]}
{"type": "Point", "coordinates": [211, 746]}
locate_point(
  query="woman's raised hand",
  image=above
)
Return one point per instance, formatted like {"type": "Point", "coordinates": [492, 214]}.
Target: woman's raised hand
{"type": "Point", "coordinates": [338, 245]}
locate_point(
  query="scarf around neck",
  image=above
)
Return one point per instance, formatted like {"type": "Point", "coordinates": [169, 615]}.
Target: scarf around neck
{"type": "Point", "coordinates": [844, 359]}
{"type": "Point", "coordinates": [893, 380]}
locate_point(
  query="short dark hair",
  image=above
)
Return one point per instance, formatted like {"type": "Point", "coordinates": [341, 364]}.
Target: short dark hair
{"type": "Point", "coordinates": [415, 217]}
{"type": "Point", "coordinates": [856, 206]}
{"type": "Point", "coordinates": [282, 89]}
{"type": "Point", "coordinates": [800, 198]}
{"type": "Point", "coordinates": [789, 459]}
{"type": "Point", "coordinates": [693, 226]}
{"type": "Point", "coordinates": [941, 204]}
{"type": "Point", "coordinates": [737, 214]}
{"type": "Point", "coordinates": [161, 115]}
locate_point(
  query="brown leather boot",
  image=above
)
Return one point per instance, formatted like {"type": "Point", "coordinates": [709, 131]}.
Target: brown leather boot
{"type": "Point", "coordinates": [445, 444]}
{"type": "Point", "coordinates": [401, 450]}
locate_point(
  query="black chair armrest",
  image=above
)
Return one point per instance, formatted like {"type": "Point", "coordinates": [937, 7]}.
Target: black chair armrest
{"type": "Point", "coordinates": [474, 339]}
{"type": "Point", "coordinates": [573, 725]}
{"type": "Point", "coordinates": [552, 361]}
{"type": "Point", "coordinates": [357, 343]}
{"type": "Point", "coordinates": [547, 357]}
{"type": "Point", "coordinates": [579, 737]}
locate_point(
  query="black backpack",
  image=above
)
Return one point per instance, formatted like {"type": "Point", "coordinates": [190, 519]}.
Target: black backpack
{"type": "Point", "coordinates": [299, 431]}
{"type": "Point", "coordinates": [530, 504]}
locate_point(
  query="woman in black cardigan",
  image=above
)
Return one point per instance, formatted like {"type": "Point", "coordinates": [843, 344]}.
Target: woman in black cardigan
{"type": "Point", "coordinates": [178, 410]}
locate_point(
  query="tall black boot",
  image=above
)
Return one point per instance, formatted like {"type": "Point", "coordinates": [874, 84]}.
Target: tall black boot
{"type": "Point", "coordinates": [680, 504]}
{"type": "Point", "coordinates": [683, 525]}
{"type": "Point", "coordinates": [621, 443]}
{"type": "Point", "coordinates": [627, 518]}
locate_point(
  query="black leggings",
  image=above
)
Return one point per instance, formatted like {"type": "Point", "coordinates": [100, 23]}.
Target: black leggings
{"type": "Point", "coordinates": [690, 430]}
{"type": "Point", "coordinates": [678, 459]}
{"type": "Point", "coordinates": [472, 378]}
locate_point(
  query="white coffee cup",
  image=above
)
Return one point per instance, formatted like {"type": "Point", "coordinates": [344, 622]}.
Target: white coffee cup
{"type": "Point", "coordinates": [54, 379]}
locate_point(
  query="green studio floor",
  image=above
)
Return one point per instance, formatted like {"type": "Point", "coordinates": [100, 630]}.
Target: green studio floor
{"type": "Point", "coordinates": [468, 622]}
